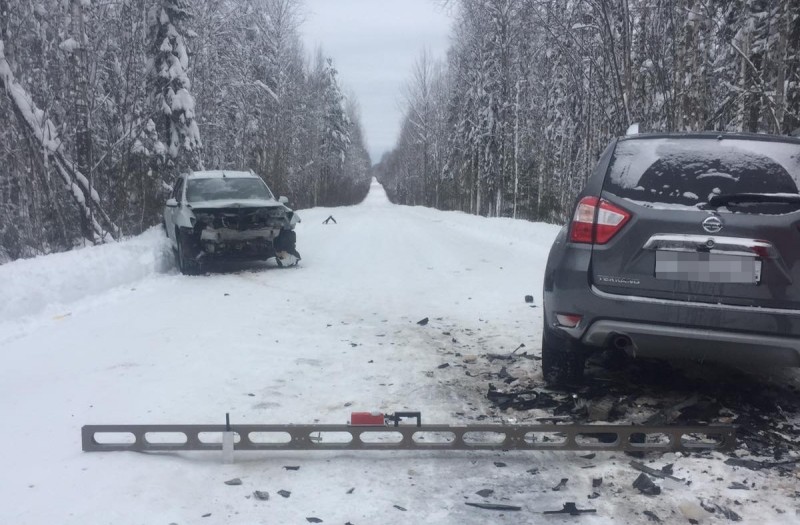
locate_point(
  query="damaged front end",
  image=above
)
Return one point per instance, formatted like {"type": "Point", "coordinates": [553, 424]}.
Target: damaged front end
{"type": "Point", "coordinates": [239, 232]}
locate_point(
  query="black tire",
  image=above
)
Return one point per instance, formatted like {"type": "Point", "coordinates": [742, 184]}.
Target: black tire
{"type": "Point", "coordinates": [186, 264]}
{"type": "Point", "coordinates": [287, 242]}
{"type": "Point", "coordinates": [563, 359]}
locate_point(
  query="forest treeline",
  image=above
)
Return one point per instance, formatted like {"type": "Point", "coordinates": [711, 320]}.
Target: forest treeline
{"type": "Point", "coordinates": [531, 92]}
{"type": "Point", "coordinates": [104, 103]}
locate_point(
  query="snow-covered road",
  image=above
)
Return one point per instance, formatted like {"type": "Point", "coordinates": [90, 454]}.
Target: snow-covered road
{"type": "Point", "coordinates": [300, 345]}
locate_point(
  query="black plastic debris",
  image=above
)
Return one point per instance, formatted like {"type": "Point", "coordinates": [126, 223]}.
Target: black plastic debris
{"type": "Point", "coordinates": [261, 495]}
{"type": "Point", "coordinates": [561, 484]}
{"type": "Point", "coordinates": [499, 464]}
{"type": "Point", "coordinates": [350, 491]}
{"type": "Point", "coordinates": [667, 469]}
{"type": "Point", "coordinates": [234, 481]}
{"type": "Point", "coordinates": [641, 467]}
{"type": "Point", "coordinates": [398, 507]}
{"type": "Point", "coordinates": [529, 299]}
{"type": "Point", "coordinates": [284, 493]}
{"type": "Point", "coordinates": [485, 493]}
{"type": "Point", "coordinates": [652, 516]}
{"type": "Point", "coordinates": [646, 486]}
{"type": "Point", "coordinates": [736, 485]}
{"type": "Point", "coordinates": [596, 482]}
{"type": "Point", "coordinates": [443, 365]}
{"type": "Point", "coordinates": [330, 218]}
{"type": "Point", "coordinates": [206, 515]}
{"type": "Point", "coordinates": [758, 465]}
{"type": "Point", "coordinates": [492, 506]}
{"type": "Point", "coordinates": [571, 509]}
{"type": "Point", "coordinates": [593, 495]}
{"type": "Point", "coordinates": [423, 322]}
{"type": "Point", "coordinates": [727, 513]}
{"type": "Point", "coordinates": [293, 467]}
{"type": "Point", "coordinates": [527, 399]}
{"type": "Point", "coordinates": [589, 456]}
{"type": "Point", "coordinates": [313, 520]}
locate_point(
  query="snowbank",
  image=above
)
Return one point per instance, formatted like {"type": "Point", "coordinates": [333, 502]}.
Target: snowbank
{"type": "Point", "coordinates": [28, 286]}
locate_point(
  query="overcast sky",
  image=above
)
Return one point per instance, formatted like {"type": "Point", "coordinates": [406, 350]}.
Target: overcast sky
{"type": "Point", "coordinates": [374, 44]}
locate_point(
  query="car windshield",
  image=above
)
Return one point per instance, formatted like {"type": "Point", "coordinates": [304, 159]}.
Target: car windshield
{"type": "Point", "coordinates": [222, 188]}
{"type": "Point", "coordinates": [689, 172]}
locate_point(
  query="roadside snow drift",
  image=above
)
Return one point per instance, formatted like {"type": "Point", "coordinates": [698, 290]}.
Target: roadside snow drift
{"type": "Point", "coordinates": [31, 286]}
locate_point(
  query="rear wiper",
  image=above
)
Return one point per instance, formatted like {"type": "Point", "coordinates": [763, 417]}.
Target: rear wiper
{"type": "Point", "coordinates": [721, 200]}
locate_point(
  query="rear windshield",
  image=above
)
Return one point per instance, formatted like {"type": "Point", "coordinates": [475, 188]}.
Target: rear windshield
{"type": "Point", "coordinates": [688, 172]}
{"type": "Point", "coordinates": [198, 190]}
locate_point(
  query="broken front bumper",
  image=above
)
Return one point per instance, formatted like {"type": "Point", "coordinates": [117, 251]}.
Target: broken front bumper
{"type": "Point", "coordinates": [226, 242]}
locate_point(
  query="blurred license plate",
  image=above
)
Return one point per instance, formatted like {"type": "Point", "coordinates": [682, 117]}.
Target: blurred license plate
{"type": "Point", "coordinates": [707, 267]}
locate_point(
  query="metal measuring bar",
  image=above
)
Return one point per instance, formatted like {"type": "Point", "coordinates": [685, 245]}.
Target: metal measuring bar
{"type": "Point", "coordinates": [376, 431]}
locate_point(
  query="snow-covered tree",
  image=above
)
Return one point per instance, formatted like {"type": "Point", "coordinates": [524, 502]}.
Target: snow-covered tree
{"type": "Point", "coordinates": [171, 87]}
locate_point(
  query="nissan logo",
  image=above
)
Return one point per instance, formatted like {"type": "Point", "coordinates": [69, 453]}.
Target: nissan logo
{"type": "Point", "coordinates": [712, 224]}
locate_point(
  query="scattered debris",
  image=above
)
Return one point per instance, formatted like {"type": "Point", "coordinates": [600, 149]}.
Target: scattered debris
{"type": "Point", "coordinates": [294, 467]}
{"type": "Point", "coordinates": [521, 345]}
{"type": "Point", "coordinates": [492, 506]}
{"type": "Point", "coordinates": [527, 399]}
{"type": "Point", "coordinates": [736, 485]}
{"type": "Point", "coordinates": [234, 481]}
{"type": "Point", "coordinates": [499, 464]}
{"type": "Point", "coordinates": [350, 491]}
{"type": "Point", "coordinates": [600, 409]}
{"type": "Point", "coordinates": [667, 469]}
{"type": "Point", "coordinates": [330, 218]}
{"type": "Point", "coordinates": [596, 482]}
{"type": "Point", "coordinates": [646, 486]}
{"type": "Point", "coordinates": [443, 365]}
{"type": "Point", "coordinates": [398, 507]}
{"type": "Point", "coordinates": [652, 516]}
{"type": "Point", "coordinates": [206, 515]}
{"type": "Point", "coordinates": [532, 471]}
{"type": "Point", "coordinates": [758, 465]}
{"type": "Point", "coordinates": [724, 511]}
{"type": "Point", "coordinates": [423, 322]}
{"type": "Point", "coordinates": [529, 299]}
{"type": "Point", "coordinates": [313, 520]}
{"type": "Point", "coordinates": [261, 495]}
{"type": "Point", "coordinates": [561, 484]}
{"type": "Point", "coordinates": [571, 509]}
{"type": "Point", "coordinates": [588, 456]}
{"type": "Point", "coordinates": [593, 495]}
{"type": "Point", "coordinates": [641, 467]}
{"type": "Point", "coordinates": [284, 493]}
{"type": "Point", "coordinates": [485, 493]}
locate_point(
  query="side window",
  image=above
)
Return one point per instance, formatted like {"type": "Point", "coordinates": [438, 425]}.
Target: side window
{"type": "Point", "coordinates": [178, 190]}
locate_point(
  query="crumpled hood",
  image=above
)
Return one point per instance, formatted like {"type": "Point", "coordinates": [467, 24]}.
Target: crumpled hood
{"type": "Point", "coordinates": [236, 203]}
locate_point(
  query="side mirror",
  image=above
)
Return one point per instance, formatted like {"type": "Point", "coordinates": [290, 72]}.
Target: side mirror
{"type": "Point", "coordinates": [172, 203]}
{"type": "Point", "coordinates": [283, 200]}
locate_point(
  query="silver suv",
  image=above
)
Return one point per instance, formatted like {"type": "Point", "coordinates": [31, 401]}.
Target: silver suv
{"type": "Point", "coordinates": [680, 246]}
{"type": "Point", "coordinates": [228, 215]}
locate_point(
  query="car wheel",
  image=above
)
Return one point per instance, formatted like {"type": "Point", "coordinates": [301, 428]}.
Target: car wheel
{"type": "Point", "coordinates": [186, 264]}
{"type": "Point", "coordinates": [563, 359]}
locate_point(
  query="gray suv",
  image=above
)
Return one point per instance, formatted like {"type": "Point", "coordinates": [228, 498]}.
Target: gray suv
{"type": "Point", "coordinates": [680, 246]}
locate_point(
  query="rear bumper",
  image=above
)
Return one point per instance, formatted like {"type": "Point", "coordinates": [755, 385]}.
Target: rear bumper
{"type": "Point", "coordinates": [665, 328]}
{"type": "Point", "coordinates": [661, 341]}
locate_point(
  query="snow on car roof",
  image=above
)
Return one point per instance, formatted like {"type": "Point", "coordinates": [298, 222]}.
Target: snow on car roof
{"type": "Point", "coordinates": [218, 174]}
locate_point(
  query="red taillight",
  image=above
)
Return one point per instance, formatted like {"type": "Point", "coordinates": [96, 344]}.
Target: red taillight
{"type": "Point", "coordinates": [610, 220]}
